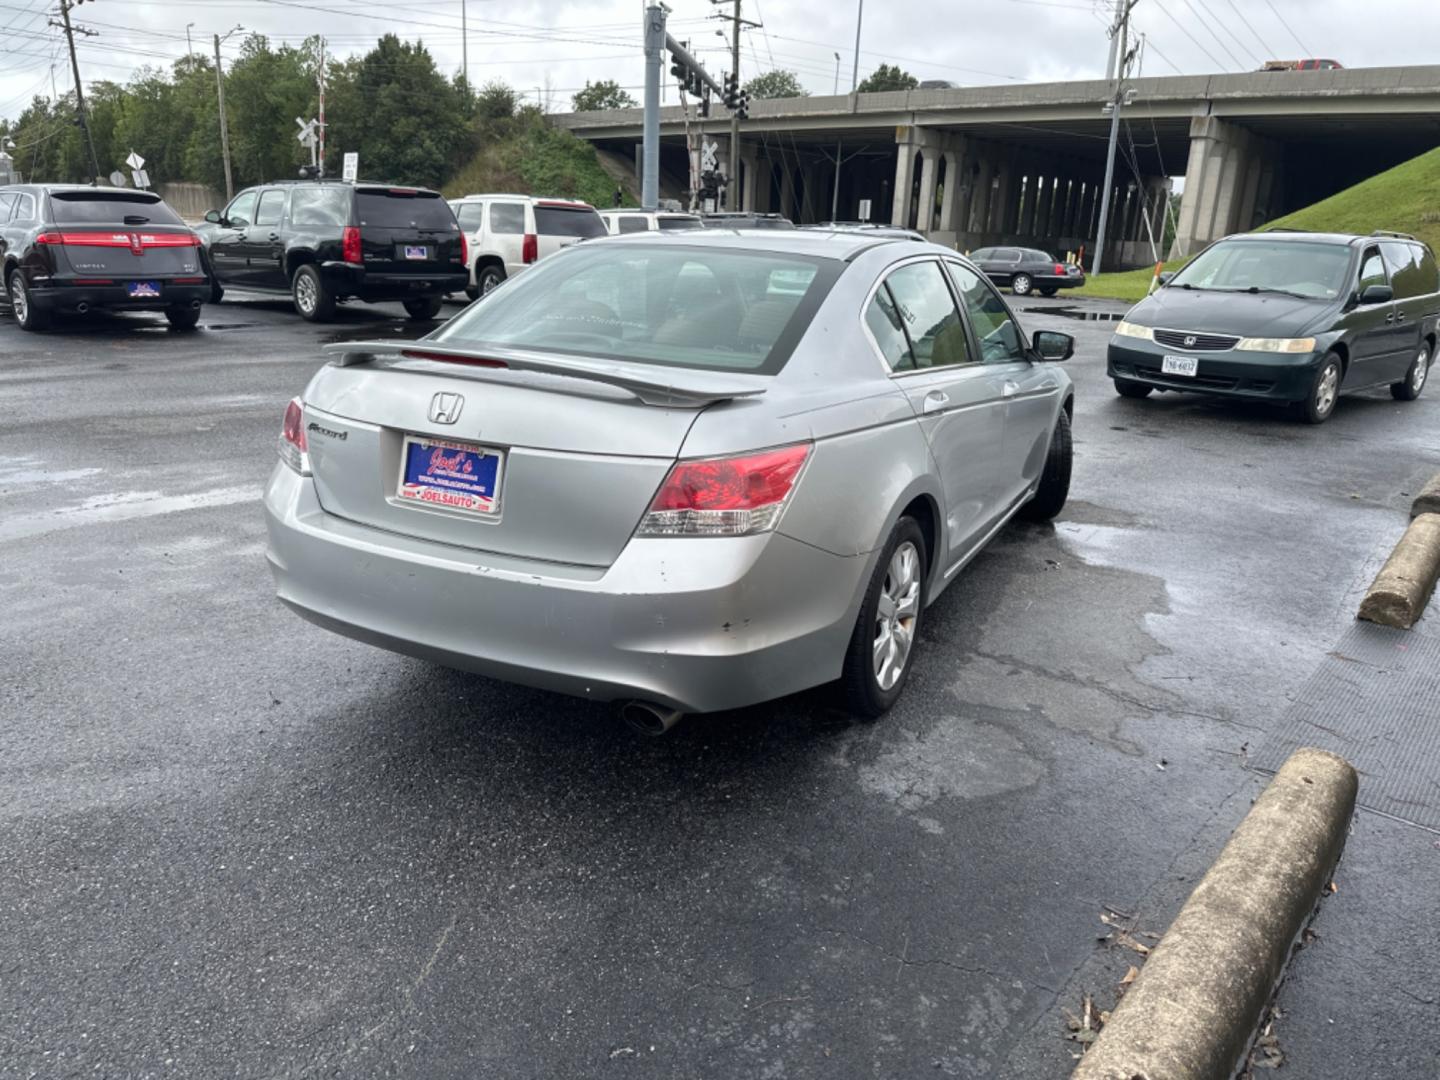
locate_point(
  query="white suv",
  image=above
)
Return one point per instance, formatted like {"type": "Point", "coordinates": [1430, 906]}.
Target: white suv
{"type": "Point", "coordinates": [509, 232]}
{"type": "Point", "coordinates": [628, 221]}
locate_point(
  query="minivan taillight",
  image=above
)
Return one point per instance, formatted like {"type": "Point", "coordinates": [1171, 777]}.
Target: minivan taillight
{"type": "Point", "coordinates": [350, 245]}
{"type": "Point", "coordinates": [294, 451]}
{"type": "Point", "coordinates": [729, 496]}
{"type": "Point", "coordinates": [530, 248]}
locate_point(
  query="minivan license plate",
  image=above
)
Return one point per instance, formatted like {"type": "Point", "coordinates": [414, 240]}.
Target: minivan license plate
{"type": "Point", "coordinates": [450, 475]}
{"type": "Point", "coordinates": [1179, 365]}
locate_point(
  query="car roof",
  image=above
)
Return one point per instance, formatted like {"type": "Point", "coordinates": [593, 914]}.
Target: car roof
{"type": "Point", "coordinates": [842, 245]}
{"type": "Point", "coordinates": [103, 190]}
{"type": "Point", "coordinates": [539, 199]}
{"type": "Point", "coordinates": [1301, 237]}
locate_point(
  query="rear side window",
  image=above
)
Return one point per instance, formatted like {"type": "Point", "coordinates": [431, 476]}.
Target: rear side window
{"type": "Point", "coordinates": [320, 206]}
{"type": "Point", "coordinates": [401, 208]}
{"type": "Point", "coordinates": [470, 215]}
{"type": "Point", "coordinates": [668, 223]}
{"type": "Point", "coordinates": [568, 221]}
{"type": "Point", "coordinates": [24, 208]}
{"type": "Point", "coordinates": [888, 330]}
{"type": "Point", "coordinates": [271, 208]}
{"type": "Point", "coordinates": [629, 223]}
{"type": "Point", "coordinates": [1429, 269]}
{"type": "Point", "coordinates": [507, 218]}
{"type": "Point", "coordinates": [111, 208]}
{"type": "Point", "coordinates": [1007, 255]}
{"type": "Point", "coordinates": [1406, 276]}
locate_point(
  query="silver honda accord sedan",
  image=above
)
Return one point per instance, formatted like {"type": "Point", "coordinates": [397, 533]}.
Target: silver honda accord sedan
{"type": "Point", "coordinates": [685, 471]}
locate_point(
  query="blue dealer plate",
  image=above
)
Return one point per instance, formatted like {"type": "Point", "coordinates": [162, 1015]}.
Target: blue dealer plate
{"type": "Point", "coordinates": [450, 475]}
{"type": "Point", "coordinates": [142, 290]}
{"type": "Point", "coordinates": [421, 252]}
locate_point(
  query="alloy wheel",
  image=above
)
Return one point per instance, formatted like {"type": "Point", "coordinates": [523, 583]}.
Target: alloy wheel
{"type": "Point", "coordinates": [1325, 393]}
{"type": "Point", "coordinates": [896, 610]}
{"type": "Point", "coordinates": [19, 302]}
{"type": "Point", "coordinates": [305, 293]}
{"type": "Point", "coordinates": [1422, 371]}
{"type": "Point", "coordinates": [488, 283]}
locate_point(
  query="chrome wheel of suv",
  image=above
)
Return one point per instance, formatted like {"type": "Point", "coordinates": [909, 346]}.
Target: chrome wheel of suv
{"type": "Point", "coordinates": [19, 302]}
{"type": "Point", "coordinates": [305, 294]}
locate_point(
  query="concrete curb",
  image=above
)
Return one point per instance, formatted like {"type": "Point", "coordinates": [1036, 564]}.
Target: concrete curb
{"type": "Point", "coordinates": [1200, 996]}
{"type": "Point", "coordinates": [1400, 591]}
{"type": "Point", "coordinates": [1428, 501]}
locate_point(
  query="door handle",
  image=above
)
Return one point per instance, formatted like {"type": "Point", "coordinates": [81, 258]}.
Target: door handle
{"type": "Point", "coordinates": [274, 236]}
{"type": "Point", "coordinates": [1009, 389]}
{"type": "Point", "coordinates": [935, 401]}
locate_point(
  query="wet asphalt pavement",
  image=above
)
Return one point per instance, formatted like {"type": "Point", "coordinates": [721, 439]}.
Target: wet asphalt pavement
{"type": "Point", "coordinates": [237, 846]}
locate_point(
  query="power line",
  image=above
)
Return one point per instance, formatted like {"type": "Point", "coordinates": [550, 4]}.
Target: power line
{"type": "Point", "coordinates": [1251, 28]}
{"type": "Point", "coordinates": [1223, 47]}
{"type": "Point", "coordinates": [1191, 36]}
{"type": "Point", "coordinates": [1285, 24]}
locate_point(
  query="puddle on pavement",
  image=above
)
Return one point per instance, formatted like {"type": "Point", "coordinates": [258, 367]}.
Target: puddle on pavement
{"type": "Point", "coordinates": [380, 332]}
{"type": "Point", "coordinates": [1077, 313]}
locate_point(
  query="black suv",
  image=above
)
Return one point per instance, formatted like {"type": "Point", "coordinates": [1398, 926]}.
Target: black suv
{"type": "Point", "coordinates": [323, 241]}
{"type": "Point", "coordinates": [65, 249]}
{"type": "Point", "coordinates": [1027, 270]}
{"type": "Point", "coordinates": [1287, 316]}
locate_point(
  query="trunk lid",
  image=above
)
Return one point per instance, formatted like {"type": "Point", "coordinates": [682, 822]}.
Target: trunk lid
{"type": "Point", "coordinates": [581, 460]}
{"type": "Point", "coordinates": [407, 231]}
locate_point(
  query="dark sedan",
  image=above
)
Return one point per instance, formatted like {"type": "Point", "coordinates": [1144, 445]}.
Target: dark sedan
{"type": "Point", "coordinates": [1027, 270]}
{"type": "Point", "coordinates": [66, 249]}
{"type": "Point", "coordinates": [1298, 318]}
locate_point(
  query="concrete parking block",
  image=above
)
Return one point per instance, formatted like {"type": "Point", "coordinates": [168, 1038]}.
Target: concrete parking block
{"type": "Point", "coordinates": [1401, 589]}
{"type": "Point", "coordinates": [1428, 501]}
{"type": "Point", "coordinates": [1196, 1003]}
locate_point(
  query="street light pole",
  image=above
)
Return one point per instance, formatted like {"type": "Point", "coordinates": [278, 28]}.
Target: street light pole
{"type": "Point", "coordinates": [650, 152]}
{"type": "Point", "coordinates": [855, 71]}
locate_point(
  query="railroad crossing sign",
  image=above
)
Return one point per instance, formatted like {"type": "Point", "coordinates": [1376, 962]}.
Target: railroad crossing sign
{"type": "Point", "coordinates": [308, 133]}
{"type": "Point", "coordinates": [708, 161]}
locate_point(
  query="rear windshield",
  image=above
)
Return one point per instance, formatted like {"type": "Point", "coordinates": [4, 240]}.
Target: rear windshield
{"type": "Point", "coordinates": [1314, 271]}
{"type": "Point", "coordinates": [399, 208]}
{"type": "Point", "coordinates": [320, 206]}
{"type": "Point", "coordinates": [683, 307]}
{"type": "Point", "coordinates": [110, 208]}
{"type": "Point", "coordinates": [667, 223]}
{"type": "Point", "coordinates": [568, 221]}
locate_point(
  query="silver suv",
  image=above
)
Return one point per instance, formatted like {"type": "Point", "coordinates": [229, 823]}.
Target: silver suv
{"type": "Point", "coordinates": [507, 233]}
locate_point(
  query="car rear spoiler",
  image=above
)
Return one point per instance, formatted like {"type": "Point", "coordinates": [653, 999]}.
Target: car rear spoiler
{"type": "Point", "coordinates": [652, 384]}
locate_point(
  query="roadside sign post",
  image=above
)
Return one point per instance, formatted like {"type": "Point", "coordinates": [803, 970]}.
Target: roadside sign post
{"type": "Point", "coordinates": [352, 167]}
{"type": "Point", "coordinates": [864, 214]}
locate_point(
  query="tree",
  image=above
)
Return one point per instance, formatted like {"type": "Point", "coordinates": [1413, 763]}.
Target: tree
{"type": "Point", "coordinates": [886, 77]}
{"type": "Point", "coordinates": [605, 94]}
{"type": "Point", "coordinates": [496, 101]}
{"type": "Point", "coordinates": [776, 84]}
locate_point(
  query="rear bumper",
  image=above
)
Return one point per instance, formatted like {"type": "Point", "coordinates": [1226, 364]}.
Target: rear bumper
{"type": "Point", "coordinates": [62, 296]}
{"type": "Point", "coordinates": [1277, 377]}
{"type": "Point", "coordinates": [697, 624]}
{"type": "Point", "coordinates": [1052, 282]}
{"type": "Point", "coordinates": [346, 279]}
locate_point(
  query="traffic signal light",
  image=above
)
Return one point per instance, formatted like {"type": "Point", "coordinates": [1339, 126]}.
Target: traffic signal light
{"type": "Point", "coordinates": [742, 105]}
{"type": "Point", "coordinates": [731, 90]}
{"type": "Point", "coordinates": [683, 75]}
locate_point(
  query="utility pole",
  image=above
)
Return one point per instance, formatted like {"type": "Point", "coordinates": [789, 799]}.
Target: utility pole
{"type": "Point", "coordinates": [1117, 103]}
{"type": "Point", "coordinates": [464, 56]}
{"type": "Point", "coordinates": [736, 22]}
{"type": "Point", "coordinates": [1120, 12]}
{"type": "Point", "coordinates": [70, 32]}
{"type": "Point", "coordinates": [650, 153]}
{"type": "Point", "coordinates": [224, 127]}
{"type": "Point", "coordinates": [320, 74]}
{"type": "Point", "coordinates": [855, 70]}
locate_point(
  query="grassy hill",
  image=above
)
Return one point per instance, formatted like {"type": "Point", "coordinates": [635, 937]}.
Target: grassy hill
{"type": "Point", "coordinates": [528, 156]}
{"type": "Point", "coordinates": [1405, 198]}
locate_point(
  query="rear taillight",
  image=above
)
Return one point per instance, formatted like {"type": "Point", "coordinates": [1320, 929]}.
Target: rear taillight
{"type": "Point", "coordinates": [530, 248]}
{"type": "Point", "coordinates": [1060, 269]}
{"type": "Point", "coordinates": [293, 449]}
{"type": "Point", "coordinates": [50, 238]}
{"type": "Point", "coordinates": [350, 245]}
{"type": "Point", "coordinates": [464, 249]}
{"type": "Point", "coordinates": [731, 496]}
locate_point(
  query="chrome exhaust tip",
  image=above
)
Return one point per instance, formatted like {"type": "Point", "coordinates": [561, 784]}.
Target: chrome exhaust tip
{"type": "Point", "coordinates": [648, 718]}
{"type": "Point", "coordinates": [82, 307]}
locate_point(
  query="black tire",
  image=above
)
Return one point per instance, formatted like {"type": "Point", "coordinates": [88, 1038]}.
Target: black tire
{"type": "Point", "coordinates": [183, 318]}
{"type": "Point", "coordinates": [424, 307]}
{"type": "Point", "coordinates": [313, 300]}
{"type": "Point", "coordinates": [1054, 486]}
{"type": "Point", "coordinates": [473, 292]}
{"type": "Point", "coordinates": [488, 277]}
{"type": "Point", "coordinates": [1048, 290]}
{"type": "Point", "coordinates": [1415, 378]}
{"type": "Point", "coordinates": [1320, 404]}
{"type": "Point", "coordinates": [217, 292]}
{"type": "Point", "coordinates": [1022, 285]}
{"type": "Point", "coordinates": [1130, 389]}
{"type": "Point", "coordinates": [860, 687]}
{"type": "Point", "coordinates": [27, 315]}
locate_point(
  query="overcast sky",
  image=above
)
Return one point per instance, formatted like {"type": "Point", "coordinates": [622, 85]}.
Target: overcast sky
{"type": "Point", "coordinates": [549, 42]}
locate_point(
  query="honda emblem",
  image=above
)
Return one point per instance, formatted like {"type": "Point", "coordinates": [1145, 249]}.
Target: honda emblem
{"type": "Point", "coordinates": [445, 408]}
{"type": "Point", "coordinates": [1190, 340]}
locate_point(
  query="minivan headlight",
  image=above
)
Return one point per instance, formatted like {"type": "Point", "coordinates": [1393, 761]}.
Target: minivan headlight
{"type": "Point", "coordinates": [1276, 344]}
{"type": "Point", "coordinates": [1130, 329]}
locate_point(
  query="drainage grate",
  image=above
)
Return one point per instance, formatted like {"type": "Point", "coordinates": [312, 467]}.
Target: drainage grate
{"type": "Point", "coordinates": [1375, 700]}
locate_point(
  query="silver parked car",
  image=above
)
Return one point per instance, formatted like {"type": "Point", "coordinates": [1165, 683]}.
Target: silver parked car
{"type": "Point", "coordinates": [687, 471]}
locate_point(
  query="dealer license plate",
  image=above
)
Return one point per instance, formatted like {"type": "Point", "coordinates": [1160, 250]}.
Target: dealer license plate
{"type": "Point", "coordinates": [420, 252]}
{"type": "Point", "coordinates": [450, 475]}
{"type": "Point", "coordinates": [1180, 365]}
{"type": "Point", "coordinates": [142, 290]}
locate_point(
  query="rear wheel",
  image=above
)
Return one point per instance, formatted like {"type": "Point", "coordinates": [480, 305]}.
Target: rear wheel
{"type": "Point", "coordinates": [313, 300]}
{"type": "Point", "coordinates": [26, 313]}
{"type": "Point", "coordinates": [1048, 290]}
{"type": "Point", "coordinates": [472, 291]}
{"type": "Point", "coordinates": [1415, 378]}
{"type": "Point", "coordinates": [183, 318]}
{"type": "Point", "coordinates": [1021, 285]}
{"type": "Point", "coordinates": [1054, 486]}
{"type": "Point", "coordinates": [425, 307]}
{"type": "Point", "coordinates": [878, 660]}
{"type": "Point", "coordinates": [1324, 392]}
{"type": "Point", "coordinates": [489, 278]}
{"type": "Point", "coordinates": [1130, 389]}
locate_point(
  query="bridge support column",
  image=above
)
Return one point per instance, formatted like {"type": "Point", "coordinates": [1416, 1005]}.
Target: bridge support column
{"type": "Point", "coordinates": [1006, 201]}
{"type": "Point", "coordinates": [956, 158]}
{"type": "Point", "coordinates": [925, 202]}
{"type": "Point", "coordinates": [1223, 180]}
{"type": "Point", "coordinates": [981, 196]}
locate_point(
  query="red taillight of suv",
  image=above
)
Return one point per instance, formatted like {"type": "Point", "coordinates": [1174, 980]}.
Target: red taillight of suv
{"type": "Point", "coordinates": [294, 451]}
{"type": "Point", "coordinates": [350, 245]}
{"type": "Point", "coordinates": [530, 248]}
{"type": "Point", "coordinates": [464, 249]}
{"type": "Point", "coordinates": [729, 496]}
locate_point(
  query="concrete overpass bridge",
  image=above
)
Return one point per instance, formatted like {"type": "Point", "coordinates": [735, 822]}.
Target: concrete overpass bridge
{"type": "Point", "coordinates": [1024, 163]}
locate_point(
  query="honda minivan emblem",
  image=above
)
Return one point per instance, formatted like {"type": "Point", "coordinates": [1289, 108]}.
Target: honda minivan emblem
{"type": "Point", "coordinates": [1190, 341]}
{"type": "Point", "coordinates": [445, 408]}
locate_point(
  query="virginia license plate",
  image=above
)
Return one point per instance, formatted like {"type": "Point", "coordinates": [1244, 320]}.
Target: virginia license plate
{"type": "Point", "coordinates": [450, 475]}
{"type": "Point", "coordinates": [417, 252]}
{"type": "Point", "coordinates": [142, 290]}
{"type": "Point", "coordinates": [1179, 365]}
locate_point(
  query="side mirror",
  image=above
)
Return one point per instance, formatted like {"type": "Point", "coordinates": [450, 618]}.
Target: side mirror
{"type": "Point", "coordinates": [213, 217]}
{"type": "Point", "coordinates": [1377, 294]}
{"type": "Point", "coordinates": [1166, 276]}
{"type": "Point", "coordinates": [1053, 346]}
